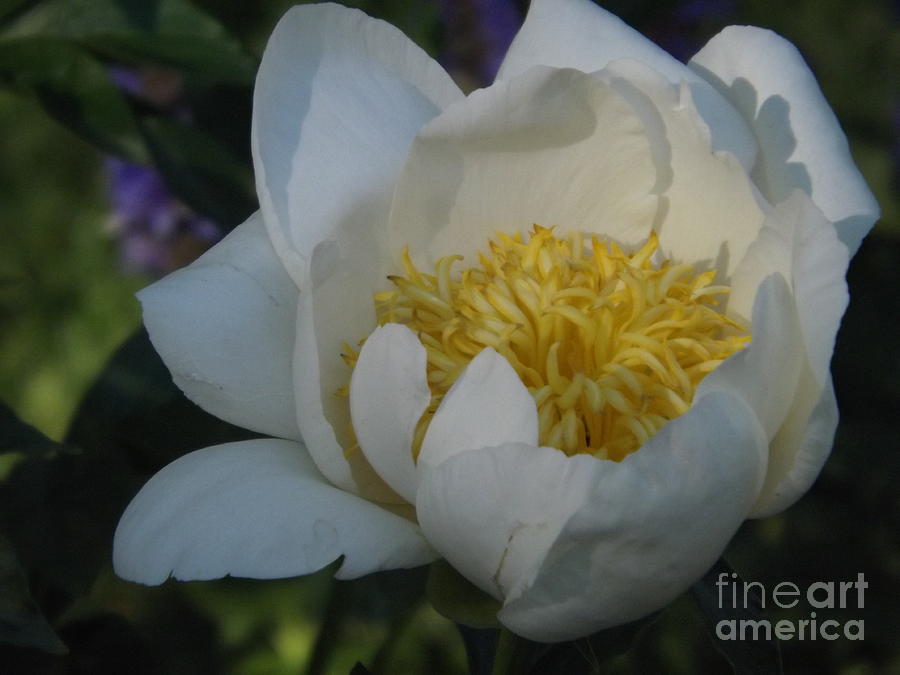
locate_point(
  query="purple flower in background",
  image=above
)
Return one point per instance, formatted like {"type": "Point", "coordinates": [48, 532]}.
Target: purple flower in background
{"type": "Point", "coordinates": [478, 34]}
{"type": "Point", "coordinates": [157, 233]}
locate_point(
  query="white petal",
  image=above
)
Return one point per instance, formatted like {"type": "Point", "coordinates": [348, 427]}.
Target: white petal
{"type": "Point", "coordinates": [552, 147]}
{"type": "Point", "coordinates": [256, 509]}
{"type": "Point", "coordinates": [801, 143]}
{"type": "Point", "coordinates": [579, 34]}
{"type": "Point", "coordinates": [766, 374]}
{"type": "Point", "coordinates": [802, 245]}
{"type": "Point", "coordinates": [319, 373]}
{"type": "Point", "coordinates": [807, 246]}
{"type": "Point", "coordinates": [487, 405]}
{"type": "Point", "coordinates": [494, 512]}
{"type": "Point", "coordinates": [338, 98]}
{"type": "Point", "coordinates": [799, 451]}
{"type": "Point", "coordinates": [225, 328]}
{"type": "Point", "coordinates": [820, 264]}
{"type": "Point", "coordinates": [388, 394]}
{"type": "Point", "coordinates": [712, 224]}
{"type": "Point", "coordinates": [651, 526]}
{"type": "Point", "coordinates": [771, 254]}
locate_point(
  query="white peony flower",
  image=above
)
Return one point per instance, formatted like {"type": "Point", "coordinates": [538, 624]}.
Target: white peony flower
{"type": "Point", "coordinates": [630, 358]}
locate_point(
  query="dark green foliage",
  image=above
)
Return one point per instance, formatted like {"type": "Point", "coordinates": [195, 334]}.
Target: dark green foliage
{"type": "Point", "coordinates": [74, 89]}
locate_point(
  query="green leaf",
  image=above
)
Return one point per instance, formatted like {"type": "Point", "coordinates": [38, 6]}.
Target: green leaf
{"type": "Point", "coordinates": [60, 512]}
{"type": "Point", "coordinates": [747, 657]}
{"type": "Point", "coordinates": [456, 598]}
{"type": "Point", "coordinates": [171, 33]}
{"type": "Point", "coordinates": [21, 621]}
{"type": "Point", "coordinates": [201, 171]}
{"type": "Point", "coordinates": [10, 9]}
{"type": "Point", "coordinates": [74, 89]}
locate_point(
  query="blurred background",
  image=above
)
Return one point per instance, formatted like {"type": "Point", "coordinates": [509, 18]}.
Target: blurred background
{"type": "Point", "coordinates": [125, 154]}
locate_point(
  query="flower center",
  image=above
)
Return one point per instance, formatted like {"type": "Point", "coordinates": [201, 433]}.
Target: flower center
{"type": "Point", "coordinates": [611, 346]}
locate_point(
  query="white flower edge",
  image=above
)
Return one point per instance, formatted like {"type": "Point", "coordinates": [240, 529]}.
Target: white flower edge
{"type": "Point", "coordinates": [580, 34]}
{"type": "Point", "coordinates": [799, 244]}
{"type": "Point", "coordinates": [224, 326]}
{"type": "Point", "coordinates": [802, 145]}
{"type": "Point", "coordinates": [751, 86]}
{"type": "Point", "coordinates": [338, 99]}
{"type": "Point", "coordinates": [577, 544]}
{"type": "Point", "coordinates": [257, 509]}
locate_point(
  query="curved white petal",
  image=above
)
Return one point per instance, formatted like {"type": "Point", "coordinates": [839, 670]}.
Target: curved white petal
{"type": "Point", "coordinates": [256, 509]}
{"type": "Point", "coordinates": [487, 405]}
{"type": "Point", "coordinates": [225, 328]}
{"type": "Point", "coordinates": [766, 374]}
{"type": "Point", "coordinates": [801, 245]}
{"type": "Point", "coordinates": [340, 310]}
{"type": "Point", "coordinates": [799, 450]}
{"type": "Point", "coordinates": [551, 147]}
{"type": "Point", "coordinates": [801, 143]}
{"type": "Point", "coordinates": [820, 262]}
{"type": "Point", "coordinates": [650, 527]}
{"type": "Point", "coordinates": [713, 224]}
{"type": "Point", "coordinates": [388, 395]}
{"type": "Point", "coordinates": [579, 34]}
{"type": "Point", "coordinates": [807, 246]}
{"type": "Point", "coordinates": [338, 98]}
{"type": "Point", "coordinates": [494, 512]}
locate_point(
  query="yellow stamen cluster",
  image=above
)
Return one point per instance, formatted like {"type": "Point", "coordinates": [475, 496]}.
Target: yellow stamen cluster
{"type": "Point", "coordinates": [611, 346]}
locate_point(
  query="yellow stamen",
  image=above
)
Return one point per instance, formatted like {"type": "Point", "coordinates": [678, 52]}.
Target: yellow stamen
{"type": "Point", "coordinates": [611, 346]}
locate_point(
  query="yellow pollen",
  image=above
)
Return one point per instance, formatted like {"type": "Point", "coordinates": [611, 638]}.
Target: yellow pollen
{"type": "Point", "coordinates": [610, 345]}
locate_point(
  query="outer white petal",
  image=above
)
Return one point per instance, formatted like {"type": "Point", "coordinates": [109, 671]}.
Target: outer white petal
{"type": "Point", "coordinates": [817, 262]}
{"type": "Point", "coordinates": [388, 394]}
{"type": "Point", "coordinates": [708, 206]}
{"type": "Point", "coordinates": [799, 244]}
{"type": "Point", "coordinates": [801, 447]}
{"type": "Point", "coordinates": [579, 34]}
{"type": "Point", "coordinates": [802, 246]}
{"type": "Point", "coordinates": [551, 147]}
{"type": "Point", "coordinates": [256, 509]}
{"type": "Point", "coordinates": [820, 264]}
{"type": "Point", "coordinates": [651, 526]}
{"type": "Point", "coordinates": [225, 328]}
{"type": "Point", "coordinates": [801, 143]}
{"type": "Point", "coordinates": [494, 512]}
{"type": "Point", "coordinates": [766, 374]}
{"type": "Point", "coordinates": [487, 405]}
{"type": "Point", "coordinates": [338, 98]}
